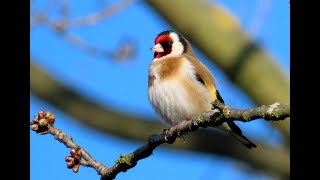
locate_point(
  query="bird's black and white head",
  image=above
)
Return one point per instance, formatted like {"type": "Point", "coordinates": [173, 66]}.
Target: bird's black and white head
{"type": "Point", "coordinates": [170, 44]}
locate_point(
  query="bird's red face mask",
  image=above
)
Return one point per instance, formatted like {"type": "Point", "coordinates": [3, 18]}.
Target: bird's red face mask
{"type": "Point", "coordinates": [163, 46]}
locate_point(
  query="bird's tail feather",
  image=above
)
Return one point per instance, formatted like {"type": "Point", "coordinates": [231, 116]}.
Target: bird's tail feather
{"type": "Point", "coordinates": [243, 140]}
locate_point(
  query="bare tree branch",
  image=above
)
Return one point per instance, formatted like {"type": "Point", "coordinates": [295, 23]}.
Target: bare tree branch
{"type": "Point", "coordinates": [65, 22]}
{"type": "Point", "coordinates": [272, 112]}
{"type": "Point", "coordinates": [99, 16]}
{"type": "Point", "coordinates": [43, 124]}
{"type": "Point", "coordinates": [61, 26]}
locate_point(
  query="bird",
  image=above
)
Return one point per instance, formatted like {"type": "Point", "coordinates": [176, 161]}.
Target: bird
{"type": "Point", "coordinates": [180, 86]}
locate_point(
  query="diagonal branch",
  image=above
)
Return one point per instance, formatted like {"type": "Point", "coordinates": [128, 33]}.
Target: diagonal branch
{"type": "Point", "coordinates": [43, 124]}
{"type": "Point", "coordinates": [68, 142]}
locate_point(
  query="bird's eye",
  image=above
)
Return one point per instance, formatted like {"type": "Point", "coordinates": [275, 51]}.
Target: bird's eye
{"type": "Point", "coordinates": [166, 44]}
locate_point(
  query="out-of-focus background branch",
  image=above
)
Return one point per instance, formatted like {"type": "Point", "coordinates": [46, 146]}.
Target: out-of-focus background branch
{"type": "Point", "coordinates": [211, 29]}
{"type": "Point", "coordinates": [63, 25]}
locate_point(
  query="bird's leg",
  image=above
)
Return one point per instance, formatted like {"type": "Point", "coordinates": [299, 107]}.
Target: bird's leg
{"type": "Point", "coordinates": [179, 126]}
{"type": "Point", "coordinates": [176, 130]}
{"type": "Point", "coordinates": [166, 134]}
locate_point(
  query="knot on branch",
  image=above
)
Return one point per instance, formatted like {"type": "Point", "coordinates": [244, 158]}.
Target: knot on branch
{"type": "Point", "coordinates": [170, 135]}
{"type": "Point", "coordinates": [126, 162]}
{"type": "Point", "coordinates": [277, 111]}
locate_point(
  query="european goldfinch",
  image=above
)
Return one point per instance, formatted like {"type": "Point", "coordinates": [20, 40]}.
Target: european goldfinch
{"type": "Point", "coordinates": [180, 86]}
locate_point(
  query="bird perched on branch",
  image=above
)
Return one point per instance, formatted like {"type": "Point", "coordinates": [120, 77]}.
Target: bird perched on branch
{"type": "Point", "coordinates": [180, 86]}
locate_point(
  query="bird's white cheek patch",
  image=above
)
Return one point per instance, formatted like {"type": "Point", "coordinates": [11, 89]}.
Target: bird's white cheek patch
{"type": "Point", "coordinates": [177, 47]}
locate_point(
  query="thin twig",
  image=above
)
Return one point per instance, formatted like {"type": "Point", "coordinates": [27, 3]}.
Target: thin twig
{"type": "Point", "coordinates": [63, 25]}
{"type": "Point", "coordinates": [68, 142]}
{"type": "Point", "coordinates": [99, 16]}
{"type": "Point", "coordinates": [40, 16]}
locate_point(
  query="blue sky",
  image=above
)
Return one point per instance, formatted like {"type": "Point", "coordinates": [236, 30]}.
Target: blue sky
{"type": "Point", "coordinates": [94, 77]}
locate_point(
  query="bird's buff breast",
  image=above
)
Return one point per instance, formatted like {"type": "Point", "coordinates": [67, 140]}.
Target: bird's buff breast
{"type": "Point", "coordinates": [179, 97]}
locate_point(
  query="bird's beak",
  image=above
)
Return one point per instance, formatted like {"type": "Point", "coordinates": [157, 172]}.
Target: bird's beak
{"type": "Point", "coordinates": [157, 48]}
